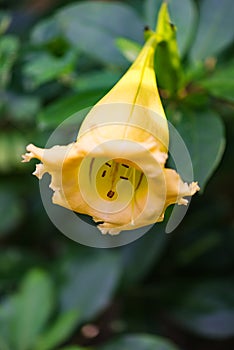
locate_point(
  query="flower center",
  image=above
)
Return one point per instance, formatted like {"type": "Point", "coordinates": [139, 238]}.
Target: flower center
{"type": "Point", "coordinates": [113, 174]}
{"type": "Point", "coordinates": [113, 188]}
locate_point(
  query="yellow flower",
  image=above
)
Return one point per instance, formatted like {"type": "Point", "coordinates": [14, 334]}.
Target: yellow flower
{"type": "Point", "coordinates": [115, 171]}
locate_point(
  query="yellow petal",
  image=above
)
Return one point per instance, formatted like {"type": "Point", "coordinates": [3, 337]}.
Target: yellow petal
{"type": "Point", "coordinates": [133, 101]}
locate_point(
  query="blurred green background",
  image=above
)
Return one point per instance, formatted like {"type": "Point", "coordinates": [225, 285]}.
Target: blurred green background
{"type": "Point", "coordinates": [164, 291]}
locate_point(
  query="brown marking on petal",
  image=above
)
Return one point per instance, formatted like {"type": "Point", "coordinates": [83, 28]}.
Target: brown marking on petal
{"type": "Point", "coordinates": [104, 173]}
{"type": "Point", "coordinates": [124, 177]}
{"type": "Point", "coordinates": [125, 165]}
{"type": "Point", "coordinates": [108, 164]}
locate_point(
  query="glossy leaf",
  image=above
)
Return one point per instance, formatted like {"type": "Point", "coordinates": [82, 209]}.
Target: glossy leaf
{"type": "Point", "coordinates": [4, 21]}
{"type": "Point", "coordinates": [11, 211]}
{"type": "Point", "coordinates": [91, 279]}
{"type": "Point", "coordinates": [203, 134]}
{"type": "Point", "coordinates": [7, 313]}
{"type": "Point", "coordinates": [75, 348]}
{"type": "Point", "coordinates": [47, 34]}
{"type": "Point", "coordinates": [60, 110]}
{"type": "Point", "coordinates": [221, 83]}
{"type": "Point", "coordinates": [207, 308]}
{"type": "Point", "coordinates": [215, 29]}
{"type": "Point", "coordinates": [9, 46]}
{"type": "Point", "coordinates": [4, 345]}
{"type": "Point", "coordinates": [139, 342]}
{"type": "Point", "coordinates": [33, 309]}
{"type": "Point", "coordinates": [46, 31]}
{"type": "Point", "coordinates": [22, 108]}
{"type": "Point", "coordinates": [12, 145]}
{"type": "Point", "coordinates": [14, 262]}
{"type": "Point", "coordinates": [96, 80]}
{"type": "Point", "coordinates": [153, 242]}
{"type": "Point", "coordinates": [59, 332]}
{"type": "Point", "coordinates": [44, 67]}
{"type": "Point", "coordinates": [106, 22]}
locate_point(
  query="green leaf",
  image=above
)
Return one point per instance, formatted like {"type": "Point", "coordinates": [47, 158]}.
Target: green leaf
{"type": "Point", "coordinates": [139, 342]}
{"type": "Point", "coordinates": [153, 242]}
{"type": "Point", "coordinates": [58, 332]}
{"type": "Point", "coordinates": [4, 345]}
{"type": "Point", "coordinates": [11, 211]}
{"type": "Point", "coordinates": [129, 48]}
{"type": "Point", "coordinates": [22, 108]}
{"type": "Point", "coordinates": [47, 34]}
{"type": "Point", "coordinates": [75, 348]}
{"type": "Point", "coordinates": [183, 15]}
{"type": "Point", "coordinates": [44, 67]}
{"type": "Point", "coordinates": [60, 110]}
{"type": "Point", "coordinates": [203, 134]}
{"type": "Point", "coordinates": [195, 250]}
{"type": "Point", "coordinates": [93, 27]}
{"type": "Point", "coordinates": [33, 309]}
{"type": "Point", "coordinates": [205, 308]}
{"type": "Point", "coordinates": [5, 21]}
{"type": "Point", "coordinates": [12, 146]}
{"type": "Point", "coordinates": [91, 279]}
{"type": "Point", "coordinates": [5, 163]}
{"type": "Point", "coordinates": [215, 29]}
{"type": "Point", "coordinates": [220, 83]}
{"type": "Point", "coordinates": [9, 46]}
{"type": "Point", "coordinates": [14, 262]}
{"type": "Point", "coordinates": [96, 80]}
{"type": "Point", "coordinates": [46, 31]}
{"type": "Point", "coordinates": [7, 313]}
{"type": "Point", "coordinates": [167, 59]}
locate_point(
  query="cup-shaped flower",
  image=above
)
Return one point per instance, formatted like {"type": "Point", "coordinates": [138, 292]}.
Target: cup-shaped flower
{"type": "Point", "coordinates": [115, 171]}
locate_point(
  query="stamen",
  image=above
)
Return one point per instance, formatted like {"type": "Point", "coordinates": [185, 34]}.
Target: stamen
{"type": "Point", "coordinates": [110, 194]}
{"type": "Point", "coordinates": [123, 177]}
